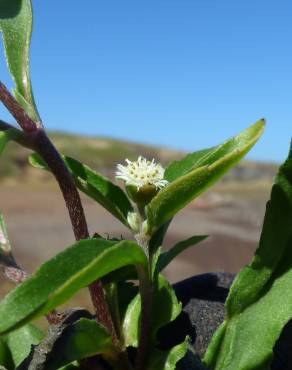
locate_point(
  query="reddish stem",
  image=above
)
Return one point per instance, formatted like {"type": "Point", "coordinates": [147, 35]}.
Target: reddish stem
{"type": "Point", "coordinates": [38, 140]}
{"type": "Point", "coordinates": [17, 275]}
{"type": "Point", "coordinates": [22, 118]}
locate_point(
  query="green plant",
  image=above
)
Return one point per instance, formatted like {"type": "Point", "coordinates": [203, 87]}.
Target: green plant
{"type": "Point", "coordinates": [122, 331]}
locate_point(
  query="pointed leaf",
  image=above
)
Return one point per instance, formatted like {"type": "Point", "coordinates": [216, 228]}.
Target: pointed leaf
{"type": "Point", "coordinates": [273, 245]}
{"type": "Point", "coordinates": [185, 188]}
{"type": "Point", "coordinates": [166, 257]}
{"type": "Point", "coordinates": [96, 186]}
{"type": "Point", "coordinates": [208, 156]}
{"type": "Point", "coordinates": [62, 276]}
{"type": "Point", "coordinates": [84, 338]}
{"type": "Point", "coordinates": [167, 360]}
{"type": "Point", "coordinates": [130, 324]}
{"type": "Point", "coordinates": [101, 189]}
{"type": "Point", "coordinates": [16, 27]}
{"type": "Point", "coordinates": [165, 308]}
{"type": "Point", "coordinates": [260, 300]}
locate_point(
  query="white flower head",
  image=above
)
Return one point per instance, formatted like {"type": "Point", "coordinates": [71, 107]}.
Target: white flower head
{"type": "Point", "coordinates": [142, 172]}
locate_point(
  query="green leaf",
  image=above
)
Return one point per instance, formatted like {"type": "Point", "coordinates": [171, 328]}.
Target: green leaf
{"type": "Point", "coordinates": [185, 188]}
{"type": "Point", "coordinates": [193, 160]}
{"type": "Point", "coordinates": [19, 342]}
{"type": "Point", "coordinates": [84, 338]}
{"type": "Point", "coordinates": [260, 300]}
{"type": "Point", "coordinates": [16, 346]}
{"type": "Point", "coordinates": [165, 308]}
{"type": "Point", "coordinates": [166, 257]}
{"type": "Point", "coordinates": [62, 276]}
{"type": "Point", "coordinates": [16, 27]}
{"type": "Point", "coordinates": [125, 292]}
{"type": "Point", "coordinates": [5, 137]}
{"type": "Point", "coordinates": [273, 245]}
{"type": "Point", "coordinates": [167, 360]}
{"type": "Point", "coordinates": [96, 186]}
{"type": "Point", "coordinates": [208, 156]}
{"type": "Point", "coordinates": [5, 356]}
{"type": "Point", "coordinates": [130, 322]}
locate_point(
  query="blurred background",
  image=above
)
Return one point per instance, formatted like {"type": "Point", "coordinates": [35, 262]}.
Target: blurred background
{"type": "Point", "coordinates": [117, 79]}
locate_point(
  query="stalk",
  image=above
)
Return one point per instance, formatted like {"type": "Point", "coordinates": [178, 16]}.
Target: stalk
{"type": "Point", "coordinates": [51, 156]}
{"type": "Point", "coordinates": [146, 291]}
{"type": "Point", "coordinates": [36, 138]}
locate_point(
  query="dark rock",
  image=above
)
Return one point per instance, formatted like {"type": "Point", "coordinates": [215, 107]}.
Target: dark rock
{"type": "Point", "coordinates": [203, 298]}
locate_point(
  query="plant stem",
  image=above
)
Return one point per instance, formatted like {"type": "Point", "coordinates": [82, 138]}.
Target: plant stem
{"type": "Point", "coordinates": [51, 156]}
{"type": "Point", "coordinates": [38, 140]}
{"type": "Point", "coordinates": [145, 321]}
{"type": "Point", "coordinates": [22, 118]}
{"type": "Point", "coordinates": [14, 273]}
{"type": "Point", "coordinates": [146, 292]}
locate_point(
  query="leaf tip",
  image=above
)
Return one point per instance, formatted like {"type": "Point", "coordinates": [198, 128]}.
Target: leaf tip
{"type": "Point", "coordinates": [261, 123]}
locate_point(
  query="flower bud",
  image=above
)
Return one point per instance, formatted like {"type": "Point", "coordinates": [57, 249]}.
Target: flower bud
{"type": "Point", "coordinates": [134, 221]}
{"type": "Point", "coordinates": [143, 195]}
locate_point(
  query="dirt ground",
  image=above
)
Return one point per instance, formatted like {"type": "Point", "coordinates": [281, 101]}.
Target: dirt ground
{"type": "Point", "coordinates": [39, 228]}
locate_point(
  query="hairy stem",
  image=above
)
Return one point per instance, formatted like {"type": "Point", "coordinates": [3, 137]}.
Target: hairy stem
{"type": "Point", "coordinates": [51, 156]}
{"type": "Point", "coordinates": [22, 118]}
{"type": "Point", "coordinates": [14, 273]}
{"type": "Point", "coordinates": [37, 139]}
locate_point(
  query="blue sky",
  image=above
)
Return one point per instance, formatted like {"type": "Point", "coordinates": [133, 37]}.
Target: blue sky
{"type": "Point", "coordinates": [184, 74]}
